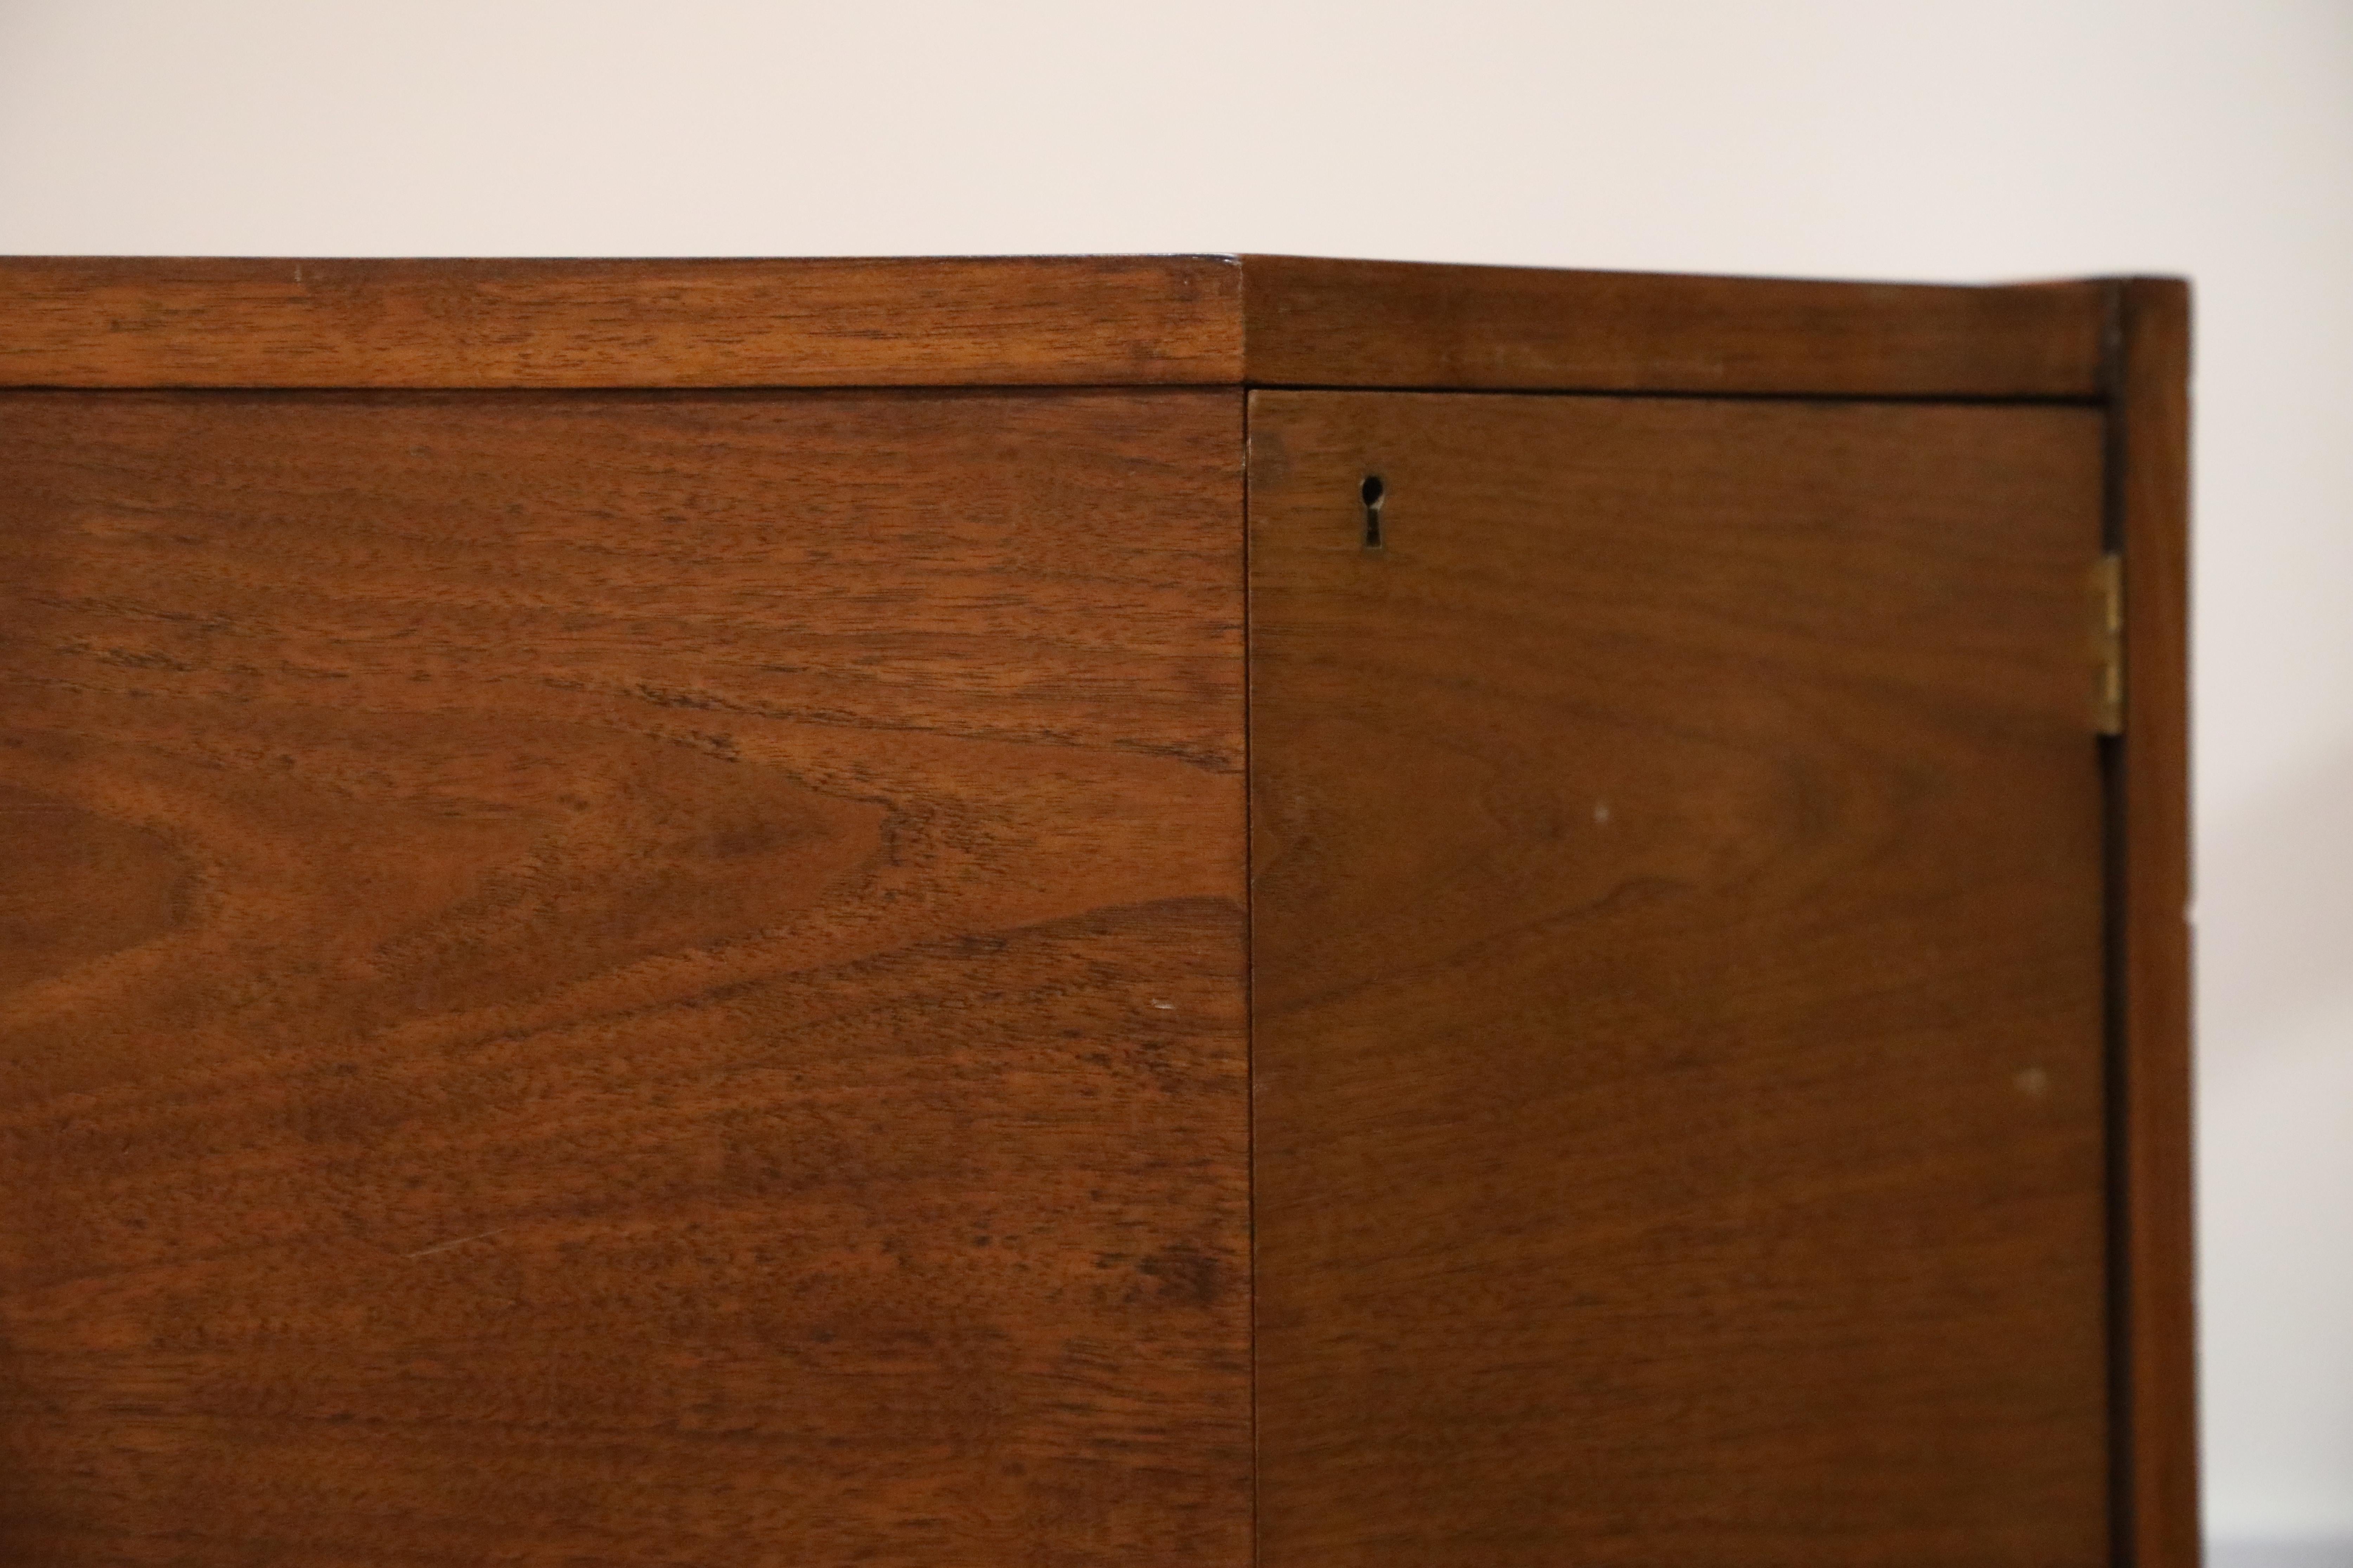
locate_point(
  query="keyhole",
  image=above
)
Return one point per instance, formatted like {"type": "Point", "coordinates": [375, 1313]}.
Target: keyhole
{"type": "Point", "coordinates": [1372, 491]}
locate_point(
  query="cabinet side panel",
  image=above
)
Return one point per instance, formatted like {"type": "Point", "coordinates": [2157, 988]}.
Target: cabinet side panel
{"type": "Point", "coordinates": [622, 980]}
{"type": "Point", "coordinates": [1678, 960]}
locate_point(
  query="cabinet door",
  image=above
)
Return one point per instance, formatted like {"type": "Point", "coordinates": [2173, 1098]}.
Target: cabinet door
{"type": "Point", "coordinates": [1678, 970]}
{"type": "Point", "coordinates": [622, 980]}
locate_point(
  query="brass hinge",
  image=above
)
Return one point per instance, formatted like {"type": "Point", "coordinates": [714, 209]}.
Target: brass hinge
{"type": "Point", "coordinates": [2108, 645]}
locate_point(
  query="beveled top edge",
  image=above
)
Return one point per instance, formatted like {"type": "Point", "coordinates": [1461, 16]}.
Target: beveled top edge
{"type": "Point", "coordinates": [1117, 320]}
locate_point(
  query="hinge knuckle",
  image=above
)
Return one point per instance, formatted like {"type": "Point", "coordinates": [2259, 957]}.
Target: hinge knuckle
{"type": "Point", "coordinates": [2108, 595]}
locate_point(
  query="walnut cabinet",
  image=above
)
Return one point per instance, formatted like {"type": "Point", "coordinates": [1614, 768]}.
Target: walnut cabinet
{"type": "Point", "coordinates": [1190, 911]}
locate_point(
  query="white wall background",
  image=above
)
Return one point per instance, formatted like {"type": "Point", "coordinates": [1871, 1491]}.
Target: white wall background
{"type": "Point", "coordinates": [1929, 139]}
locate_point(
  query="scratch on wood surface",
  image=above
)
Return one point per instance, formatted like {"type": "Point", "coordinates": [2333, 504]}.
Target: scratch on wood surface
{"type": "Point", "coordinates": [446, 1245]}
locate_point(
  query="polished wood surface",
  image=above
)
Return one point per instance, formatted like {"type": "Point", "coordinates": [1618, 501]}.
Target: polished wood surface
{"type": "Point", "coordinates": [2151, 449]}
{"type": "Point", "coordinates": [1677, 984]}
{"type": "Point", "coordinates": [632, 930]}
{"type": "Point", "coordinates": [900, 322]}
{"type": "Point", "coordinates": [622, 980]}
{"type": "Point", "coordinates": [1263, 319]}
{"type": "Point", "coordinates": [1391, 324]}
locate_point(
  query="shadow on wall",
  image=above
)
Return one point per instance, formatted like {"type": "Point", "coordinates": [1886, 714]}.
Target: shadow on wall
{"type": "Point", "coordinates": [2275, 973]}
{"type": "Point", "coordinates": [2279, 1555]}
{"type": "Point", "coordinates": [2275, 912]}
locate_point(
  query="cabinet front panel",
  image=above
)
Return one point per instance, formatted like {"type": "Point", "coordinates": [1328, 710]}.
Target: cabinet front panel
{"type": "Point", "coordinates": [622, 980]}
{"type": "Point", "coordinates": [1678, 960]}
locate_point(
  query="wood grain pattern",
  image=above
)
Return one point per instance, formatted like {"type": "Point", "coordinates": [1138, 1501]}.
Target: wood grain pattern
{"type": "Point", "coordinates": [622, 981]}
{"type": "Point", "coordinates": [1015, 321]}
{"type": "Point", "coordinates": [2151, 448]}
{"type": "Point", "coordinates": [102, 322]}
{"type": "Point", "coordinates": [1678, 963]}
{"type": "Point", "coordinates": [1392, 325]}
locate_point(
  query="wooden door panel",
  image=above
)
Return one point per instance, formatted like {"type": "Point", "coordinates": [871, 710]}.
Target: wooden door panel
{"type": "Point", "coordinates": [1677, 968]}
{"type": "Point", "coordinates": [622, 980]}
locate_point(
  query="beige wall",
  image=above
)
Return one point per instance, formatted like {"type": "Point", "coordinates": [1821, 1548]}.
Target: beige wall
{"type": "Point", "coordinates": [1922, 140]}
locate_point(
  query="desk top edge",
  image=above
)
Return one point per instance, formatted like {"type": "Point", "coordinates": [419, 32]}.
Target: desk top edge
{"type": "Point", "coordinates": [1077, 320]}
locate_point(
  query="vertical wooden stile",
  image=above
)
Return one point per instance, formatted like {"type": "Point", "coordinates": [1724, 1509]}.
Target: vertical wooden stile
{"type": "Point", "coordinates": [2158, 1437]}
